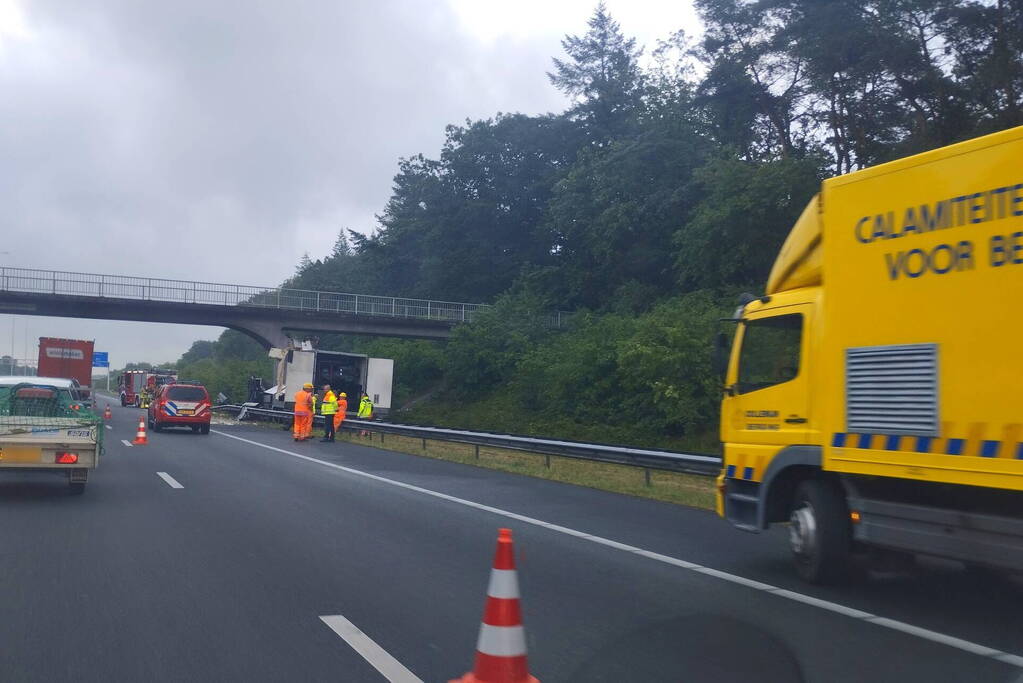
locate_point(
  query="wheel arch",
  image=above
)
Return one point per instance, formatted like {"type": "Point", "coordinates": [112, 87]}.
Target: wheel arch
{"type": "Point", "coordinates": [792, 465]}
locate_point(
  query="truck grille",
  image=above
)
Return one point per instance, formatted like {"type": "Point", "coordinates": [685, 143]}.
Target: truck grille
{"type": "Point", "coordinates": [892, 389]}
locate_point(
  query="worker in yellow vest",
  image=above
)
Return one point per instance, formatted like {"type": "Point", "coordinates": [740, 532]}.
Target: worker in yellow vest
{"type": "Point", "coordinates": [365, 411]}
{"type": "Point", "coordinates": [328, 408]}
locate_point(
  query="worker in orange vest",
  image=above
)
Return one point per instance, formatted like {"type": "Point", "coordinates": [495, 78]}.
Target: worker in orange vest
{"type": "Point", "coordinates": [303, 425]}
{"type": "Point", "coordinates": [342, 408]}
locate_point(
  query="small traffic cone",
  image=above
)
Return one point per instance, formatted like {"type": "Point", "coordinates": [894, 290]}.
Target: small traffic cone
{"type": "Point", "coordinates": [107, 414]}
{"type": "Point", "coordinates": [140, 435]}
{"type": "Point", "coordinates": [501, 647]}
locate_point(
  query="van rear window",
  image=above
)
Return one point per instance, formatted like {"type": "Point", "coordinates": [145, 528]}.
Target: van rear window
{"type": "Point", "coordinates": [186, 394]}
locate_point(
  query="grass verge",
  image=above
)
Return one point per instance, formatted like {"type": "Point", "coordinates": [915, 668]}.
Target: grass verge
{"type": "Point", "coordinates": [683, 489]}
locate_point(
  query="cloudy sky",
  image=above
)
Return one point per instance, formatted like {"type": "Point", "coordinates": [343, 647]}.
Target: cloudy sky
{"type": "Point", "coordinates": [219, 141]}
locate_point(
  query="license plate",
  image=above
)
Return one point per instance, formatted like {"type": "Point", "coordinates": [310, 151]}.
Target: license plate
{"type": "Point", "coordinates": [185, 412]}
{"type": "Point", "coordinates": [20, 454]}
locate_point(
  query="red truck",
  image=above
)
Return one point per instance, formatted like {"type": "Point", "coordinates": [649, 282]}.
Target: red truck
{"type": "Point", "coordinates": [68, 359]}
{"type": "Point", "coordinates": [137, 387]}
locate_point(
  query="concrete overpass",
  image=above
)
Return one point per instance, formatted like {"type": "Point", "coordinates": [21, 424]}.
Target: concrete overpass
{"type": "Point", "coordinates": [271, 315]}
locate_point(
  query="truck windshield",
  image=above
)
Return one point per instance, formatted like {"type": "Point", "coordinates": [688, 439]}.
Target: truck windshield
{"type": "Point", "coordinates": [770, 352]}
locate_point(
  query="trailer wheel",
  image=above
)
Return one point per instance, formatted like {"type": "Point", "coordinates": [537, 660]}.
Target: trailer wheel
{"type": "Point", "coordinates": [77, 488]}
{"type": "Point", "coordinates": [820, 534]}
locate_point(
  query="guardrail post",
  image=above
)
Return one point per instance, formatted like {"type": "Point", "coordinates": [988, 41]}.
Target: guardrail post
{"type": "Point", "coordinates": [646, 476]}
{"type": "Point", "coordinates": [547, 460]}
{"type": "Point", "coordinates": [477, 451]}
{"type": "Point", "coordinates": [429, 313]}
{"type": "Point", "coordinates": [424, 443]}
{"type": "Point", "coordinates": [463, 313]}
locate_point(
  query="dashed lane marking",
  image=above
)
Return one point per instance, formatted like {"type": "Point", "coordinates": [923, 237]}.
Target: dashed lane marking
{"type": "Point", "coordinates": [171, 481]}
{"type": "Point", "coordinates": [380, 659]}
{"type": "Point", "coordinates": [126, 442]}
{"type": "Point", "coordinates": [834, 607]}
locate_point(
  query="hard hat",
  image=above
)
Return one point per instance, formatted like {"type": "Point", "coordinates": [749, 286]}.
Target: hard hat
{"type": "Point", "coordinates": [344, 395]}
{"type": "Point", "coordinates": [307, 385]}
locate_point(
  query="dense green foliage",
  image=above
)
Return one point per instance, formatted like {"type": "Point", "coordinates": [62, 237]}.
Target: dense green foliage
{"type": "Point", "coordinates": [225, 365]}
{"type": "Point", "coordinates": [664, 189]}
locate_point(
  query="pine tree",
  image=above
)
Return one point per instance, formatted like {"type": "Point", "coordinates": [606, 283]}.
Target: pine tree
{"type": "Point", "coordinates": [602, 73]}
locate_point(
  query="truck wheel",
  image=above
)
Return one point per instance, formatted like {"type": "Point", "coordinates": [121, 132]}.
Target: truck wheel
{"type": "Point", "coordinates": [204, 429]}
{"type": "Point", "coordinates": [820, 533]}
{"type": "Point", "coordinates": [77, 488]}
{"type": "Point", "coordinates": [195, 429]}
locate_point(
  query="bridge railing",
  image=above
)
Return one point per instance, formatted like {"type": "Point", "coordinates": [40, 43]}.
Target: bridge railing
{"type": "Point", "coordinates": [219, 294]}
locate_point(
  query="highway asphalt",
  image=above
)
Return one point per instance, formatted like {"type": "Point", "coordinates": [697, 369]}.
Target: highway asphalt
{"type": "Point", "coordinates": [226, 577]}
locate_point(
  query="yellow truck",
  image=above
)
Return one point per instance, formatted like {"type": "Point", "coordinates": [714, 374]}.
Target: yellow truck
{"type": "Point", "coordinates": [874, 393]}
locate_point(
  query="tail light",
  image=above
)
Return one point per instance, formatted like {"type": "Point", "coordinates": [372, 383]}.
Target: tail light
{"type": "Point", "coordinates": [75, 406]}
{"type": "Point", "coordinates": [67, 458]}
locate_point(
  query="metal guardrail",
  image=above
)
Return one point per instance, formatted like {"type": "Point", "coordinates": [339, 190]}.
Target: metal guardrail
{"type": "Point", "coordinates": [690, 463]}
{"type": "Point", "coordinates": [181, 291]}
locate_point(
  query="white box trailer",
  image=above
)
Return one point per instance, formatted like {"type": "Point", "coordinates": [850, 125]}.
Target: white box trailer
{"type": "Point", "coordinates": [351, 373]}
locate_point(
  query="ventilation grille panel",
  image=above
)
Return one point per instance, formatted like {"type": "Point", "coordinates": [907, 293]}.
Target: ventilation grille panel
{"type": "Point", "coordinates": [892, 390]}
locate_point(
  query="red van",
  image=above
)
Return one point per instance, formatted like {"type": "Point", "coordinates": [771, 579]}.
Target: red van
{"type": "Point", "coordinates": [181, 405]}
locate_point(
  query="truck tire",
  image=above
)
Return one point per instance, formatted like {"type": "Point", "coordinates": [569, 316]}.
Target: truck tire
{"type": "Point", "coordinates": [77, 488]}
{"type": "Point", "coordinates": [820, 533]}
{"type": "Point", "coordinates": [204, 429]}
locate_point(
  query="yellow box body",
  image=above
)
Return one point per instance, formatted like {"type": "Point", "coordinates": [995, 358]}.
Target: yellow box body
{"type": "Point", "coordinates": [927, 250]}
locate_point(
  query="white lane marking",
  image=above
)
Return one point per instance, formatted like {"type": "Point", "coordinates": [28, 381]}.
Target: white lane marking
{"type": "Point", "coordinates": [126, 442]}
{"type": "Point", "coordinates": [171, 481]}
{"type": "Point", "coordinates": [378, 657]}
{"type": "Point", "coordinates": [926, 634]}
{"type": "Point", "coordinates": [108, 426]}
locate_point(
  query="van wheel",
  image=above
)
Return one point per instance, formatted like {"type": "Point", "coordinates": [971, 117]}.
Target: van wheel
{"type": "Point", "coordinates": [204, 429]}
{"type": "Point", "coordinates": [820, 534]}
{"type": "Point", "coordinates": [77, 488]}
{"type": "Point", "coordinates": [195, 429]}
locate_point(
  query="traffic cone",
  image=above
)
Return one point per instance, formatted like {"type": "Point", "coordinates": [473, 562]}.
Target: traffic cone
{"type": "Point", "coordinates": [107, 414]}
{"type": "Point", "coordinates": [501, 647]}
{"type": "Point", "coordinates": [140, 435]}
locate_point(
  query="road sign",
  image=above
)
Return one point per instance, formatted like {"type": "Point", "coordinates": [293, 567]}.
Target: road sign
{"type": "Point", "coordinates": [100, 359]}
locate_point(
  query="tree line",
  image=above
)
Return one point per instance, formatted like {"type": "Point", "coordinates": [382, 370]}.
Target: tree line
{"type": "Point", "coordinates": [665, 188]}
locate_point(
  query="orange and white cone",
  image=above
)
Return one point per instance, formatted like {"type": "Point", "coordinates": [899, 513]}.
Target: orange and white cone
{"type": "Point", "coordinates": [501, 648]}
{"type": "Point", "coordinates": [107, 414]}
{"type": "Point", "coordinates": [140, 435]}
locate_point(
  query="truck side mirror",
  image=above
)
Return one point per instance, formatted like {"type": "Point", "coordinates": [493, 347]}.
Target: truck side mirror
{"type": "Point", "coordinates": [721, 355]}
